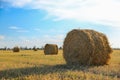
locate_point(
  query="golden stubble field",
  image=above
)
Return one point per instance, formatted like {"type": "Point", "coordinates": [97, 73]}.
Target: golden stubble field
{"type": "Point", "coordinates": [34, 65]}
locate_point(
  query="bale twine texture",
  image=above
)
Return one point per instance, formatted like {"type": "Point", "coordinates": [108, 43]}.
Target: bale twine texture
{"type": "Point", "coordinates": [86, 47]}
{"type": "Point", "coordinates": [51, 49]}
{"type": "Point", "coordinates": [16, 49]}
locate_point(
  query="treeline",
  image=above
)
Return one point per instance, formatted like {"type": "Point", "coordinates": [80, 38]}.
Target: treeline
{"type": "Point", "coordinates": [26, 48]}
{"type": "Point", "coordinates": [116, 48]}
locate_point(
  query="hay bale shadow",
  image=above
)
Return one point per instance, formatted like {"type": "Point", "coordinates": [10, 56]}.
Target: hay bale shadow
{"type": "Point", "coordinates": [36, 70]}
{"type": "Point", "coordinates": [43, 70]}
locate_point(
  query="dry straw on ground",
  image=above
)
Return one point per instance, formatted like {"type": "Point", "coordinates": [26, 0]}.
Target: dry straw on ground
{"type": "Point", "coordinates": [51, 49]}
{"type": "Point", "coordinates": [86, 47]}
{"type": "Point", "coordinates": [16, 49]}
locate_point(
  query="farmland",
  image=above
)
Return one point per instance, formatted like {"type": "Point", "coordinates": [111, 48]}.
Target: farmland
{"type": "Point", "coordinates": [34, 65]}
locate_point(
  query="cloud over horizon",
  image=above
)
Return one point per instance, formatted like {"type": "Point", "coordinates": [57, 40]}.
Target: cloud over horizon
{"type": "Point", "coordinates": [2, 37]}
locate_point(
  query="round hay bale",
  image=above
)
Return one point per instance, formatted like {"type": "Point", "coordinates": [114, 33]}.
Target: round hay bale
{"type": "Point", "coordinates": [35, 49]}
{"type": "Point", "coordinates": [16, 49]}
{"type": "Point", "coordinates": [86, 47]}
{"type": "Point", "coordinates": [51, 49]}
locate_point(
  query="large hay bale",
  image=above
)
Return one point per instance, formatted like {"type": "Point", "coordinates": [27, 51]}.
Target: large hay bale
{"type": "Point", "coordinates": [16, 49]}
{"type": "Point", "coordinates": [86, 47]}
{"type": "Point", "coordinates": [51, 49]}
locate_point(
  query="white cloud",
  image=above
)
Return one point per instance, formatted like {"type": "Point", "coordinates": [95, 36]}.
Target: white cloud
{"type": "Point", "coordinates": [2, 37]}
{"type": "Point", "coordinates": [37, 29]}
{"type": "Point", "coordinates": [18, 29]}
{"type": "Point", "coordinates": [41, 41]}
{"type": "Point", "coordinates": [14, 27]}
{"type": "Point", "coordinates": [56, 39]}
{"type": "Point", "coordinates": [114, 38]}
{"type": "Point", "coordinates": [22, 30]}
{"type": "Point", "coordinates": [105, 12]}
{"type": "Point", "coordinates": [17, 3]}
{"type": "Point", "coordinates": [115, 42]}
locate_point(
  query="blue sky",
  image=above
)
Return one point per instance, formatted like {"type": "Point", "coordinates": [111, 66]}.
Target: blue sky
{"type": "Point", "coordinates": [37, 22]}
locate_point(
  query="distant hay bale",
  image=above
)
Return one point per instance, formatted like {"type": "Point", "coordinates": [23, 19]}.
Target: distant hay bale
{"type": "Point", "coordinates": [16, 49]}
{"type": "Point", "coordinates": [86, 47]}
{"type": "Point", "coordinates": [35, 49]}
{"type": "Point", "coordinates": [51, 49]}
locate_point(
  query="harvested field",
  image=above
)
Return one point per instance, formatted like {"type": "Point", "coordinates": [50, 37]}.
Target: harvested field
{"type": "Point", "coordinates": [29, 65]}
